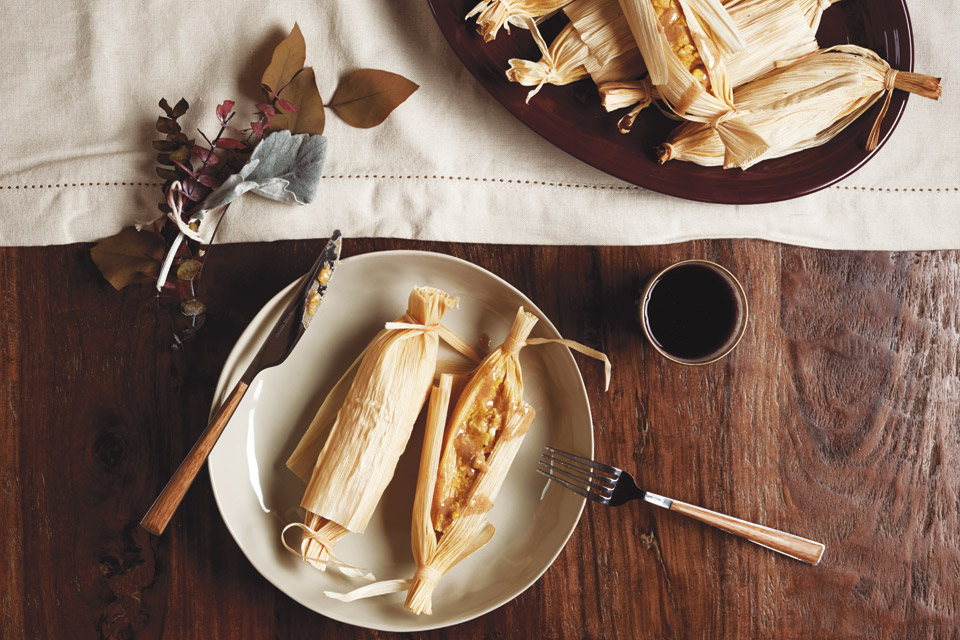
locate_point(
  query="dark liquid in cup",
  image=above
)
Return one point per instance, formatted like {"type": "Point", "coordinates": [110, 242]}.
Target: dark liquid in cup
{"type": "Point", "coordinates": [692, 312]}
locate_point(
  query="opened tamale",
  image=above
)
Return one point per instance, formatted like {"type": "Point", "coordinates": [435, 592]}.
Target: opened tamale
{"type": "Point", "coordinates": [805, 103]}
{"type": "Point", "coordinates": [774, 30]}
{"type": "Point", "coordinates": [685, 44]}
{"type": "Point", "coordinates": [374, 415]}
{"type": "Point", "coordinates": [483, 434]}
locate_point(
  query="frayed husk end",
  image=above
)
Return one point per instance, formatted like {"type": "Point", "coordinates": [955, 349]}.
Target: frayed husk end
{"type": "Point", "coordinates": [420, 597]}
{"type": "Point", "coordinates": [919, 84]}
{"type": "Point", "coordinates": [664, 153]}
{"type": "Point", "coordinates": [311, 549]}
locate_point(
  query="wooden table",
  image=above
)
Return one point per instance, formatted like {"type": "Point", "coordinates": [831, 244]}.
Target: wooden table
{"type": "Point", "coordinates": [836, 419]}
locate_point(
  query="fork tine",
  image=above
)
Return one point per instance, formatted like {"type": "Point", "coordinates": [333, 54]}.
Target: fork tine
{"type": "Point", "coordinates": [605, 491]}
{"type": "Point", "coordinates": [572, 487]}
{"type": "Point", "coordinates": [593, 464]}
{"type": "Point", "coordinates": [587, 474]}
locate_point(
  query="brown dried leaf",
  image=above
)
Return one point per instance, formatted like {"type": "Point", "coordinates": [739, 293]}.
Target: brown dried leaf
{"type": "Point", "coordinates": [287, 60]}
{"type": "Point", "coordinates": [129, 257]}
{"type": "Point", "coordinates": [303, 94]}
{"type": "Point", "coordinates": [366, 97]}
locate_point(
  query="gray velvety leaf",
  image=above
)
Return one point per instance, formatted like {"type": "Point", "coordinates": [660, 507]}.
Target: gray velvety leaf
{"type": "Point", "coordinates": [282, 167]}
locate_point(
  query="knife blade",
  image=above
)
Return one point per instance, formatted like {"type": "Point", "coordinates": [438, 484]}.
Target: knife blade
{"type": "Point", "coordinates": [286, 333]}
{"type": "Point", "coordinates": [279, 344]}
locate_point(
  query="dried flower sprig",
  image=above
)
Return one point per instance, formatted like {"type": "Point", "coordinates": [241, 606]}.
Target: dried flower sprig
{"type": "Point", "coordinates": [279, 155]}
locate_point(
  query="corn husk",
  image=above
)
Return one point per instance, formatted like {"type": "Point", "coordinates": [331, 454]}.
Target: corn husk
{"type": "Point", "coordinates": [372, 410]}
{"type": "Point", "coordinates": [493, 14]}
{"type": "Point", "coordinates": [805, 103]}
{"type": "Point", "coordinates": [562, 62]}
{"type": "Point", "coordinates": [774, 30]}
{"type": "Point", "coordinates": [813, 10]}
{"type": "Point", "coordinates": [695, 87]}
{"type": "Point", "coordinates": [613, 55]}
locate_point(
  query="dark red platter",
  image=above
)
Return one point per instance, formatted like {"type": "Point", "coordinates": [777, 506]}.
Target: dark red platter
{"type": "Point", "coordinates": [571, 117]}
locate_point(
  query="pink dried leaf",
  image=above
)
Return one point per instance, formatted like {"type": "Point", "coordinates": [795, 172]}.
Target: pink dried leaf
{"type": "Point", "coordinates": [224, 109]}
{"type": "Point", "coordinates": [207, 156]}
{"type": "Point", "coordinates": [193, 190]}
{"type": "Point", "coordinates": [185, 168]}
{"type": "Point", "coordinates": [257, 128]}
{"type": "Point", "coordinates": [230, 143]}
{"type": "Point", "coordinates": [286, 105]}
{"type": "Point", "coordinates": [266, 109]}
{"type": "Point", "coordinates": [209, 181]}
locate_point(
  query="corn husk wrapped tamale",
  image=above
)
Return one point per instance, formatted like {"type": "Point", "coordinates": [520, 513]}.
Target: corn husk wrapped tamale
{"type": "Point", "coordinates": [494, 14]}
{"type": "Point", "coordinates": [685, 44]}
{"type": "Point", "coordinates": [562, 62]}
{"type": "Point", "coordinates": [805, 103]}
{"type": "Point", "coordinates": [375, 405]}
{"type": "Point", "coordinates": [774, 30]}
{"type": "Point", "coordinates": [483, 434]}
{"type": "Point", "coordinates": [613, 53]}
{"type": "Point", "coordinates": [463, 464]}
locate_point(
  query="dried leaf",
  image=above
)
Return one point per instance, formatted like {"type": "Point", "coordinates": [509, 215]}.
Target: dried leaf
{"type": "Point", "coordinates": [206, 156]}
{"type": "Point", "coordinates": [209, 181]}
{"type": "Point", "coordinates": [308, 115]}
{"type": "Point", "coordinates": [187, 169]}
{"type": "Point", "coordinates": [231, 143]}
{"type": "Point", "coordinates": [166, 107]}
{"type": "Point", "coordinates": [180, 138]}
{"type": "Point", "coordinates": [165, 145]}
{"type": "Point", "coordinates": [180, 108]}
{"type": "Point", "coordinates": [129, 257]}
{"type": "Point", "coordinates": [287, 106]}
{"type": "Point", "coordinates": [366, 97]}
{"type": "Point", "coordinates": [164, 158]}
{"type": "Point", "coordinates": [167, 125]}
{"type": "Point", "coordinates": [193, 190]}
{"type": "Point", "coordinates": [282, 167]}
{"type": "Point", "coordinates": [167, 174]}
{"type": "Point", "coordinates": [188, 269]}
{"type": "Point", "coordinates": [287, 60]}
{"type": "Point", "coordinates": [266, 109]}
{"type": "Point", "coordinates": [224, 109]}
{"type": "Point", "coordinates": [181, 155]}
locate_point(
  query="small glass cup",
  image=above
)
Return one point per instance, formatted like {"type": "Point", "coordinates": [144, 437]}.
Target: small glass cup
{"type": "Point", "coordinates": [693, 312]}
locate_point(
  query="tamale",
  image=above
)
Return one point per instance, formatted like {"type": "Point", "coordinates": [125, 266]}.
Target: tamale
{"type": "Point", "coordinates": [613, 55]}
{"type": "Point", "coordinates": [562, 62]}
{"type": "Point", "coordinates": [805, 103]}
{"type": "Point", "coordinates": [483, 434]}
{"type": "Point", "coordinates": [774, 30]}
{"type": "Point", "coordinates": [494, 14]}
{"type": "Point", "coordinates": [684, 44]}
{"type": "Point", "coordinates": [346, 477]}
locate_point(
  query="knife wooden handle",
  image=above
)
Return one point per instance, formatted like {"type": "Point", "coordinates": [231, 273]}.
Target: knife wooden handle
{"type": "Point", "coordinates": [156, 519]}
{"type": "Point", "coordinates": [786, 543]}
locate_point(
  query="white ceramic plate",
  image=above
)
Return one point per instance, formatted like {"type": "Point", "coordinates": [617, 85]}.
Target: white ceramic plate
{"type": "Point", "coordinates": [256, 494]}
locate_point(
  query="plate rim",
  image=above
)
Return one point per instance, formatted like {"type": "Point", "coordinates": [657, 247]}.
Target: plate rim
{"type": "Point", "coordinates": [230, 373]}
{"type": "Point", "coordinates": [898, 105]}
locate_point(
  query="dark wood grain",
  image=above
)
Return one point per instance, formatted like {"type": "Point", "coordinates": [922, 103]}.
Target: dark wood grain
{"type": "Point", "coordinates": [837, 419]}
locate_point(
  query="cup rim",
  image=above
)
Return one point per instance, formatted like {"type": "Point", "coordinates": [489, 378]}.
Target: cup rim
{"type": "Point", "coordinates": [738, 292]}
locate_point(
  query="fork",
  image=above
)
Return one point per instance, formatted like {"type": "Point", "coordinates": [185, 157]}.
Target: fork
{"type": "Point", "coordinates": [613, 487]}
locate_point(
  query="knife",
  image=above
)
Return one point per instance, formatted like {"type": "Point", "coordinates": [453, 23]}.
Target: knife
{"type": "Point", "coordinates": [284, 336]}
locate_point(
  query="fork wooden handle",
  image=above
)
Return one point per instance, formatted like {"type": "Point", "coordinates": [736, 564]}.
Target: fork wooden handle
{"type": "Point", "coordinates": [787, 544]}
{"type": "Point", "coordinates": [157, 517]}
